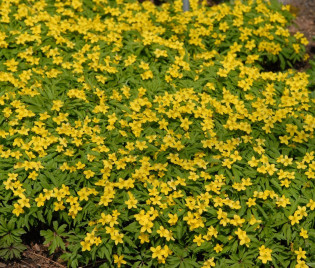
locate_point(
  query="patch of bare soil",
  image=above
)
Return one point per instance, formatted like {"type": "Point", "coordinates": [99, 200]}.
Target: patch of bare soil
{"type": "Point", "coordinates": [36, 256]}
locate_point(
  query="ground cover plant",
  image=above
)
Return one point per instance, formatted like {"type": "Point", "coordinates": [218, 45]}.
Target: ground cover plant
{"type": "Point", "coordinates": [142, 136]}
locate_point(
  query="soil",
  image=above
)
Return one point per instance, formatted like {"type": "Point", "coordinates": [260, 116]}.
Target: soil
{"type": "Point", "coordinates": [37, 255]}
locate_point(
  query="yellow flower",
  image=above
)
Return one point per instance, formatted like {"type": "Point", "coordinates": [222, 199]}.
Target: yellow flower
{"type": "Point", "coordinates": [301, 264]}
{"type": "Point", "coordinates": [40, 200]}
{"type": "Point", "coordinates": [242, 236]}
{"type": "Point", "coordinates": [264, 254]}
{"type": "Point", "coordinates": [146, 227]}
{"type": "Point", "coordinates": [301, 211]}
{"type": "Point", "coordinates": [83, 194]}
{"type": "Point", "coordinates": [166, 251]}
{"type": "Point", "coordinates": [303, 233]}
{"type": "Point", "coordinates": [17, 209]}
{"type": "Point", "coordinates": [24, 202]}
{"type": "Point", "coordinates": [300, 254]}
{"type": "Point", "coordinates": [173, 219]}
{"type": "Point", "coordinates": [59, 194]}
{"type": "Point", "coordinates": [33, 175]}
{"type": "Point", "coordinates": [85, 245]}
{"type": "Point", "coordinates": [88, 173]}
{"type": "Point", "coordinates": [165, 233]}
{"type": "Point", "coordinates": [198, 239]}
{"type": "Point", "coordinates": [97, 241]}
{"type": "Point", "coordinates": [209, 263]}
{"type": "Point", "coordinates": [253, 220]}
{"type": "Point", "coordinates": [59, 206]}
{"type": "Point", "coordinates": [160, 53]}
{"type": "Point", "coordinates": [237, 221]}
{"type": "Point", "coordinates": [218, 248]}
{"type": "Point", "coordinates": [147, 75]}
{"type": "Point", "coordinates": [144, 238]}
{"type": "Point", "coordinates": [117, 237]}
{"type": "Point", "coordinates": [251, 202]}
{"type": "Point", "coordinates": [57, 104]}
{"type": "Point", "coordinates": [283, 201]}
{"type": "Point", "coordinates": [311, 204]}
{"type": "Point", "coordinates": [130, 60]}
{"type": "Point", "coordinates": [132, 202]}
{"type": "Point", "coordinates": [72, 200]}
{"type": "Point", "coordinates": [12, 65]}
{"type": "Point", "coordinates": [119, 260]}
{"type": "Point", "coordinates": [295, 218]}
{"type": "Point", "coordinates": [157, 252]}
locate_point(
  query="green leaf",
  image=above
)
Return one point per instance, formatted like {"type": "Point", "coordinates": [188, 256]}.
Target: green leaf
{"type": "Point", "coordinates": [129, 241]}
{"type": "Point", "coordinates": [132, 227]}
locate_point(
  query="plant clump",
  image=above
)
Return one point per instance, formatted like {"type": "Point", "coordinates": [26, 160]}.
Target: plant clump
{"type": "Point", "coordinates": [156, 138]}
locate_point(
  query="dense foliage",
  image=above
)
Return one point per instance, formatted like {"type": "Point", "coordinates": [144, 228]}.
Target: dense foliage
{"type": "Point", "coordinates": [142, 136]}
{"type": "Point", "coordinates": [311, 72]}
